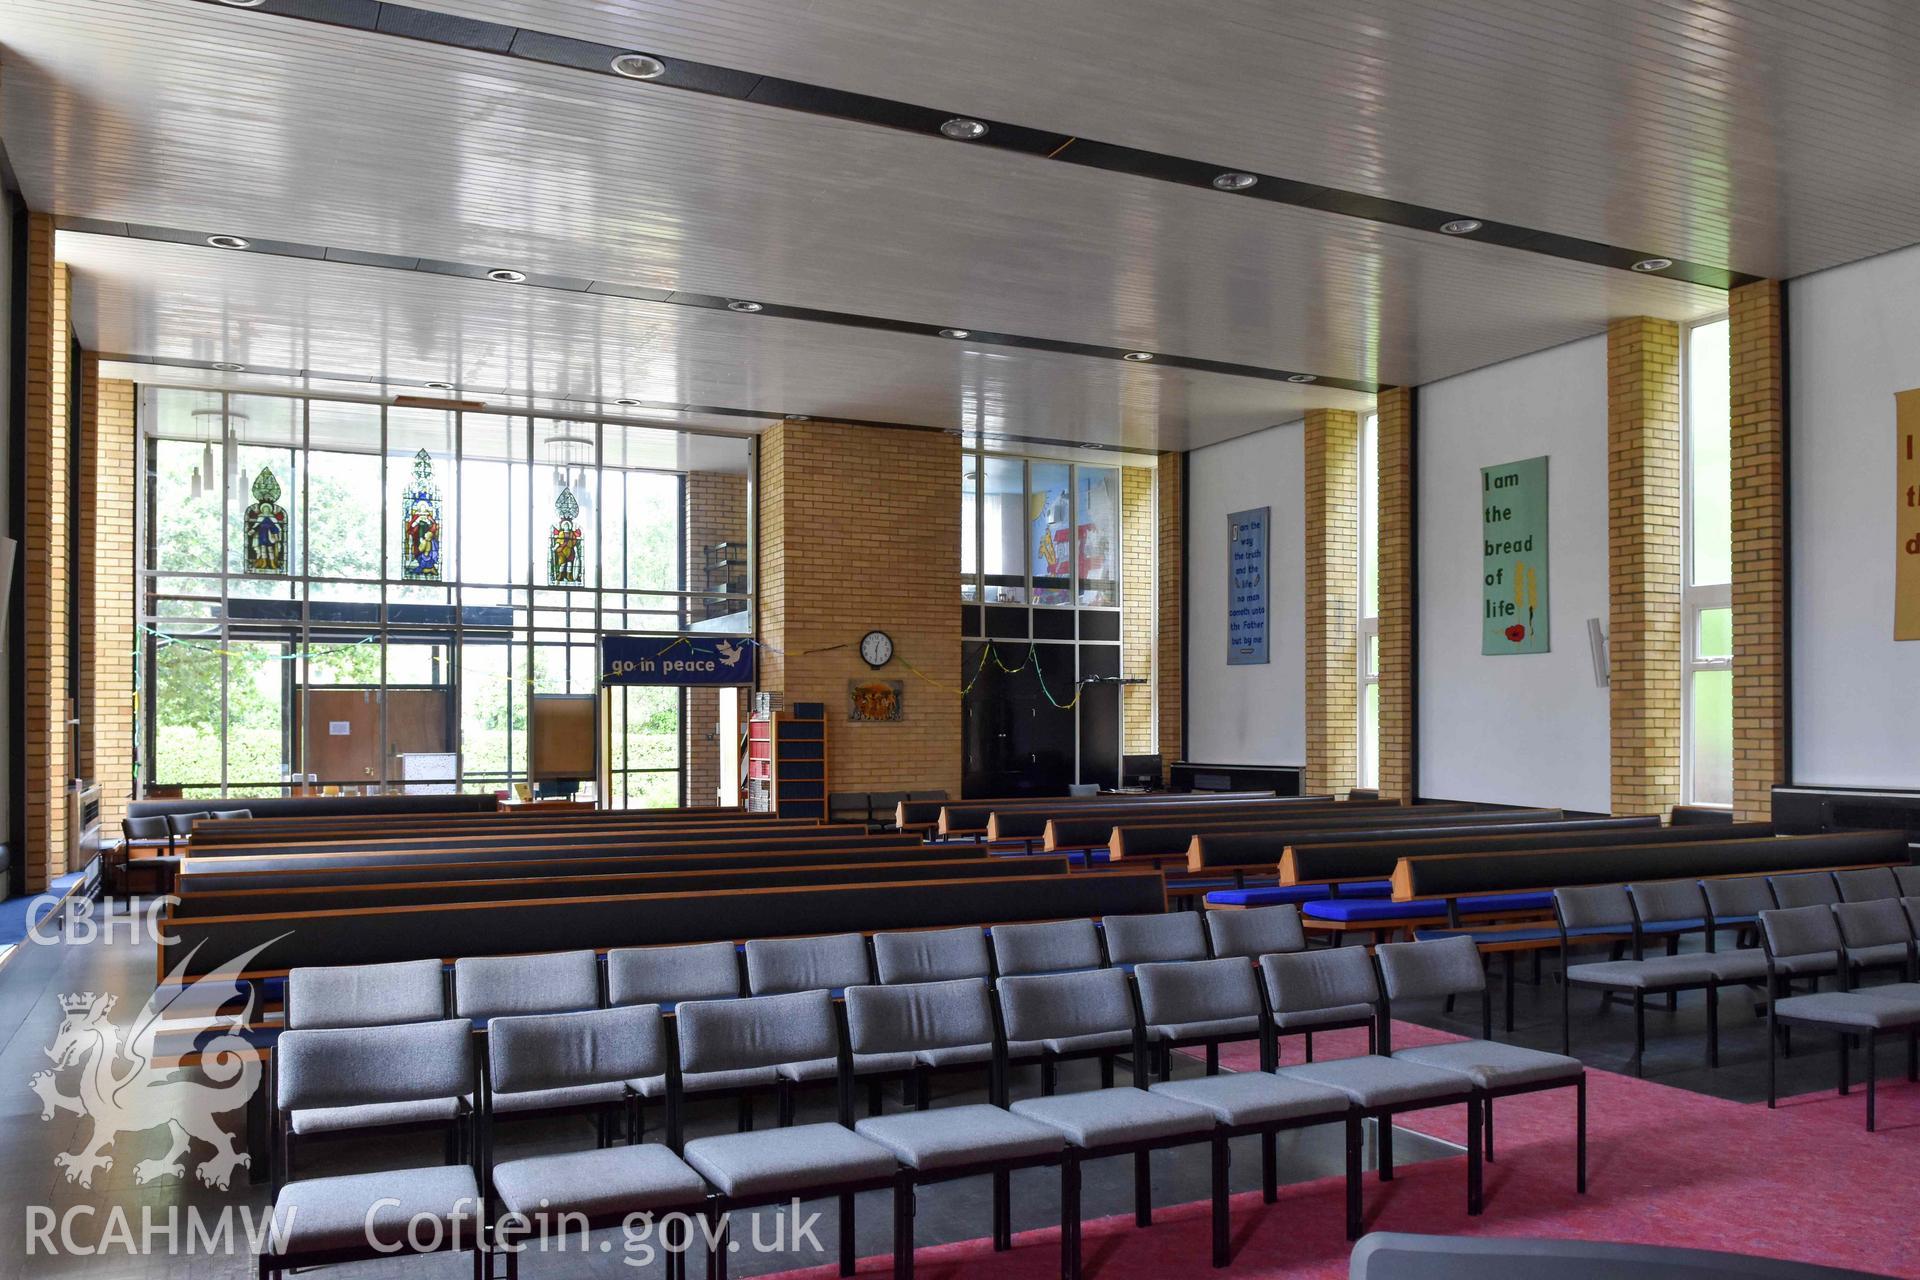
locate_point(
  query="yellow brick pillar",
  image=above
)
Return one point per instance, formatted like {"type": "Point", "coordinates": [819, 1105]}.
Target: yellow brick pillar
{"type": "Point", "coordinates": [1333, 599]}
{"type": "Point", "coordinates": [860, 531]}
{"type": "Point", "coordinates": [43, 558]}
{"type": "Point", "coordinates": [1397, 534]}
{"type": "Point", "coordinates": [1644, 561]}
{"type": "Point", "coordinates": [1170, 656]}
{"type": "Point", "coordinates": [104, 707]}
{"type": "Point", "coordinates": [1757, 360]}
{"type": "Point", "coordinates": [716, 512]}
{"type": "Point", "coordinates": [1139, 610]}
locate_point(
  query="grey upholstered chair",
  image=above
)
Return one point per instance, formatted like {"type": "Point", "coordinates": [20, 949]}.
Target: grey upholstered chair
{"type": "Point", "coordinates": [1737, 901]}
{"type": "Point", "coordinates": [932, 955]}
{"type": "Point", "coordinates": [1056, 946]}
{"type": "Point", "coordinates": [778, 966]}
{"type": "Point", "coordinates": [1876, 935]}
{"type": "Point", "coordinates": [667, 975]}
{"type": "Point", "coordinates": [1804, 889]}
{"type": "Point", "coordinates": [1203, 1001]}
{"type": "Point", "coordinates": [1333, 983]}
{"type": "Point", "coordinates": [487, 987]}
{"type": "Point", "coordinates": [1328, 995]}
{"type": "Point", "coordinates": [1908, 878]}
{"type": "Point", "coordinates": [1605, 912]}
{"type": "Point", "coordinates": [366, 995]}
{"type": "Point", "coordinates": [367, 998]}
{"type": "Point", "coordinates": [1087, 1011]}
{"type": "Point", "coordinates": [954, 1142]}
{"type": "Point", "coordinates": [1257, 932]}
{"type": "Point", "coordinates": [428, 1065]}
{"type": "Point", "coordinates": [1864, 884]}
{"type": "Point", "coordinates": [1449, 967]}
{"type": "Point", "coordinates": [1156, 936]}
{"type": "Point", "coordinates": [1104, 991]}
{"type": "Point", "coordinates": [1807, 942]}
{"type": "Point", "coordinates": [720, 1038]}
{"type": "Point", "coordinates": [582, 1055]}
{"type": "Point", "coordinates": [180, 825]}
{"type": "Point", "coordinates": [1667, 909]}
{"type": "Point", "coordinates": [227, 815]}
{"type": "Point", "coordinates": [1200, 1002]}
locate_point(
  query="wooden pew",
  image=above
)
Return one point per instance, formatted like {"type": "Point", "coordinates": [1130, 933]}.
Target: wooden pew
{"type": "Point", "coordinates": [380, 934]}
{"type": "Point", "coordinates": [514, 839]}
{"type": "Point", "coordinates": [1304, 863]}
{"type": "Point", "coordinates": [969, 817]}
{"type": "Point", "coordinates": [420, 893]}
{"type": "Point", "coordinates": [220, 880]}
{"type": "Point", "coordinates": [1031, 823]}
{"type": "Point", "coordinates": [1449, 876]}
{"type": "Point", "coordinates": [322, 868]}
{"type": "Point", "coordinates": [1163, 838]}
{"type": "Point", "coordinates": [213, 831]}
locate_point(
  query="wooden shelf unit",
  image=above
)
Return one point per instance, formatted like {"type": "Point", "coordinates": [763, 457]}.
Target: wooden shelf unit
{"type": "Point", "coordinates": [787, 762]}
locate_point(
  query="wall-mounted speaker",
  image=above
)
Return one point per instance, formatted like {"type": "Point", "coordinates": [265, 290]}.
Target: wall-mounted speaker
{"type": "Point", "coordinates": [1597, 642]}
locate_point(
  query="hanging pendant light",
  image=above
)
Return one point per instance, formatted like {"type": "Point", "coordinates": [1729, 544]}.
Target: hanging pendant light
{"type": "Point", "coordinates": [195, 493]}
{"type": "Point", "coordinates": [206, 462]}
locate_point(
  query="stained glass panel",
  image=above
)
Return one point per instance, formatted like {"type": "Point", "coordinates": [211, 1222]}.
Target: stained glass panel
{"type": "Point", "coordinates": [420, 523]}
{"type": "Point", "coordinates": [266, 526]}
{"type": "Point", "coordinates": [565, 563]}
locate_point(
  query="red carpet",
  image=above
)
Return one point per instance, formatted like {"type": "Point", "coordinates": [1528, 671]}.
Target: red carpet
{"type": "Point", "coordinates": [1666, 1167]}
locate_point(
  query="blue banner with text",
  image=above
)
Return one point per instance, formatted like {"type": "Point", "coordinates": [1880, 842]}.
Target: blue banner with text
{"type": "Point", "coordinates": [676, 660]}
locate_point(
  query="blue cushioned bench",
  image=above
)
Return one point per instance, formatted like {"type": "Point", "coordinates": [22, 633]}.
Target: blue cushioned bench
{"type": "Point", "coordinates": [1382, 916]}
{"type": "Point", "coordinates": [1276, 895]}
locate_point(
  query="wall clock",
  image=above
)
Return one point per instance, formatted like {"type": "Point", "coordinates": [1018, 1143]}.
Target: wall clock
{"type": "Point", "coordinates": [877, 648]}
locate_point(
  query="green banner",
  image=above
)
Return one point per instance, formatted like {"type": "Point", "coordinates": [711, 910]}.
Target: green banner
{"type": "Point", "coordinates": [1514, 614]}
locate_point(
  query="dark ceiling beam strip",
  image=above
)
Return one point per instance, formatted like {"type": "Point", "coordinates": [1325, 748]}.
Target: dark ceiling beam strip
{"type": "Point", "coordinates": [793, 95]}
{"type": "Point", "coordinates": [702, 301]}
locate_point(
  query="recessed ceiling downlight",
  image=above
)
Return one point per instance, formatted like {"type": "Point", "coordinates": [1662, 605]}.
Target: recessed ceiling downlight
{"type": "Point", "coordinates": [1460, 227]}
{"type": "Point", "coordinates": [227, 366]}
{"type": "Point", "coordinates": [1234, 181]}
{"type": "Point", "coordinates": [441, 386]}
{"type": "Point", "coordinates": [743, 306]}
{"type": "Point", "coordinates": [506, 275]}
{"type": "Point", "coordinates": [1302, 377]}
{"type": "Point", "coordinates": [963, 129]}
{"type": "Point", "coordinates": [639, 66]}
{"type": "Point", "coordinates": [798, 417]}
{"type": "Point", "coordinates": [1138, 357]}
{"type": "Point", "coordinates": [956, 333]}
{"type": "Point", "coordinates": [630, 403]}
{"type": "Point", "coordinates": [228, 242]}
{"type": "Point", "coordinates": [1653, 264]}
{"type": "Point", "coordinates": [243, 4]}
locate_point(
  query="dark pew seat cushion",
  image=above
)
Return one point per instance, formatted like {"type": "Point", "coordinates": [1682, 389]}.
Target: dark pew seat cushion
{"type": "Point", "coordinates": [1356, 911]}
{"type": "Point", "coordinates": [1276, 895]}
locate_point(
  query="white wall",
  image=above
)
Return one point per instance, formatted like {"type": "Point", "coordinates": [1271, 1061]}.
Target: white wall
{"type": "Point", "coordinates": [1516, 728]}
{"type": "Point", "coordinates": [1854, 340]}
{"type": "Point", "coordinates": [1248, 714]}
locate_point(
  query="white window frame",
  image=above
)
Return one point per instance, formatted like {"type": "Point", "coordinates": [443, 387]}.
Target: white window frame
{"type": "Point", "coordinates": [1695, 599]}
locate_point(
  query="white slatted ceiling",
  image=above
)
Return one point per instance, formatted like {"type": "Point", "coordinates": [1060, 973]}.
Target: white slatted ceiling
{"type": "Point", "coordinates": [1776, 137]}
{"type": "Point", "coordinates": [153, 299]}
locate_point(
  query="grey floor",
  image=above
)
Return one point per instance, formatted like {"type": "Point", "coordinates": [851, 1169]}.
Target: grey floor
{"type": "Point", "coordinates": [33, 980]}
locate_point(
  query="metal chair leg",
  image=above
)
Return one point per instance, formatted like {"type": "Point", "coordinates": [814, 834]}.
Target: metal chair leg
{"type": "Point", "coordinates": [903, 1229]}
{"type": "Point", "coordinates": [1383, 1135]}
{"type": "Point", "coordinates": [1221, 1222]}
{"type": "Point", "coordinates": [848, 1253]}
{"type": "Point", "coordinates": [1474, 1106]}
{"type": "Point", "coordinates": [1069, 1219]}
{"type": "Point", "coordinates": [1354, 1177]}
{"type": "Point", "coordinates": [1580, 1125]}
{"type": "Point", "coordinates": [1269, 1166]}
{"type": "Point", "coordinates": [1002, 1211]}
{"type": "Point", "coordinates": [1142, 1189]}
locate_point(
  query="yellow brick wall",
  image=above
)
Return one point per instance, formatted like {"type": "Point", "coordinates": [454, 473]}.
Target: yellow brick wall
{"type": "Point", "coordinates": [716, 512]}
{"type": "Point", "coordinates": [860, 530]}
{"type": "Point", "coordinates": [44, 558]}
{"type": "Point", "coordinates": [1333, 599]}
{"type": "Point", "coordinates": [1759, 423]}
{"type": "Point", "coordinates": [104, 705]}
{"type": "Point", "coordinates": [1139, 608]}
{"type": "Point", "coordinates": [1396, 516]}
{"type": "Point", "coordinates": [1644, 561]}
{"type": "Point", "coordinates": [1169, 665]}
